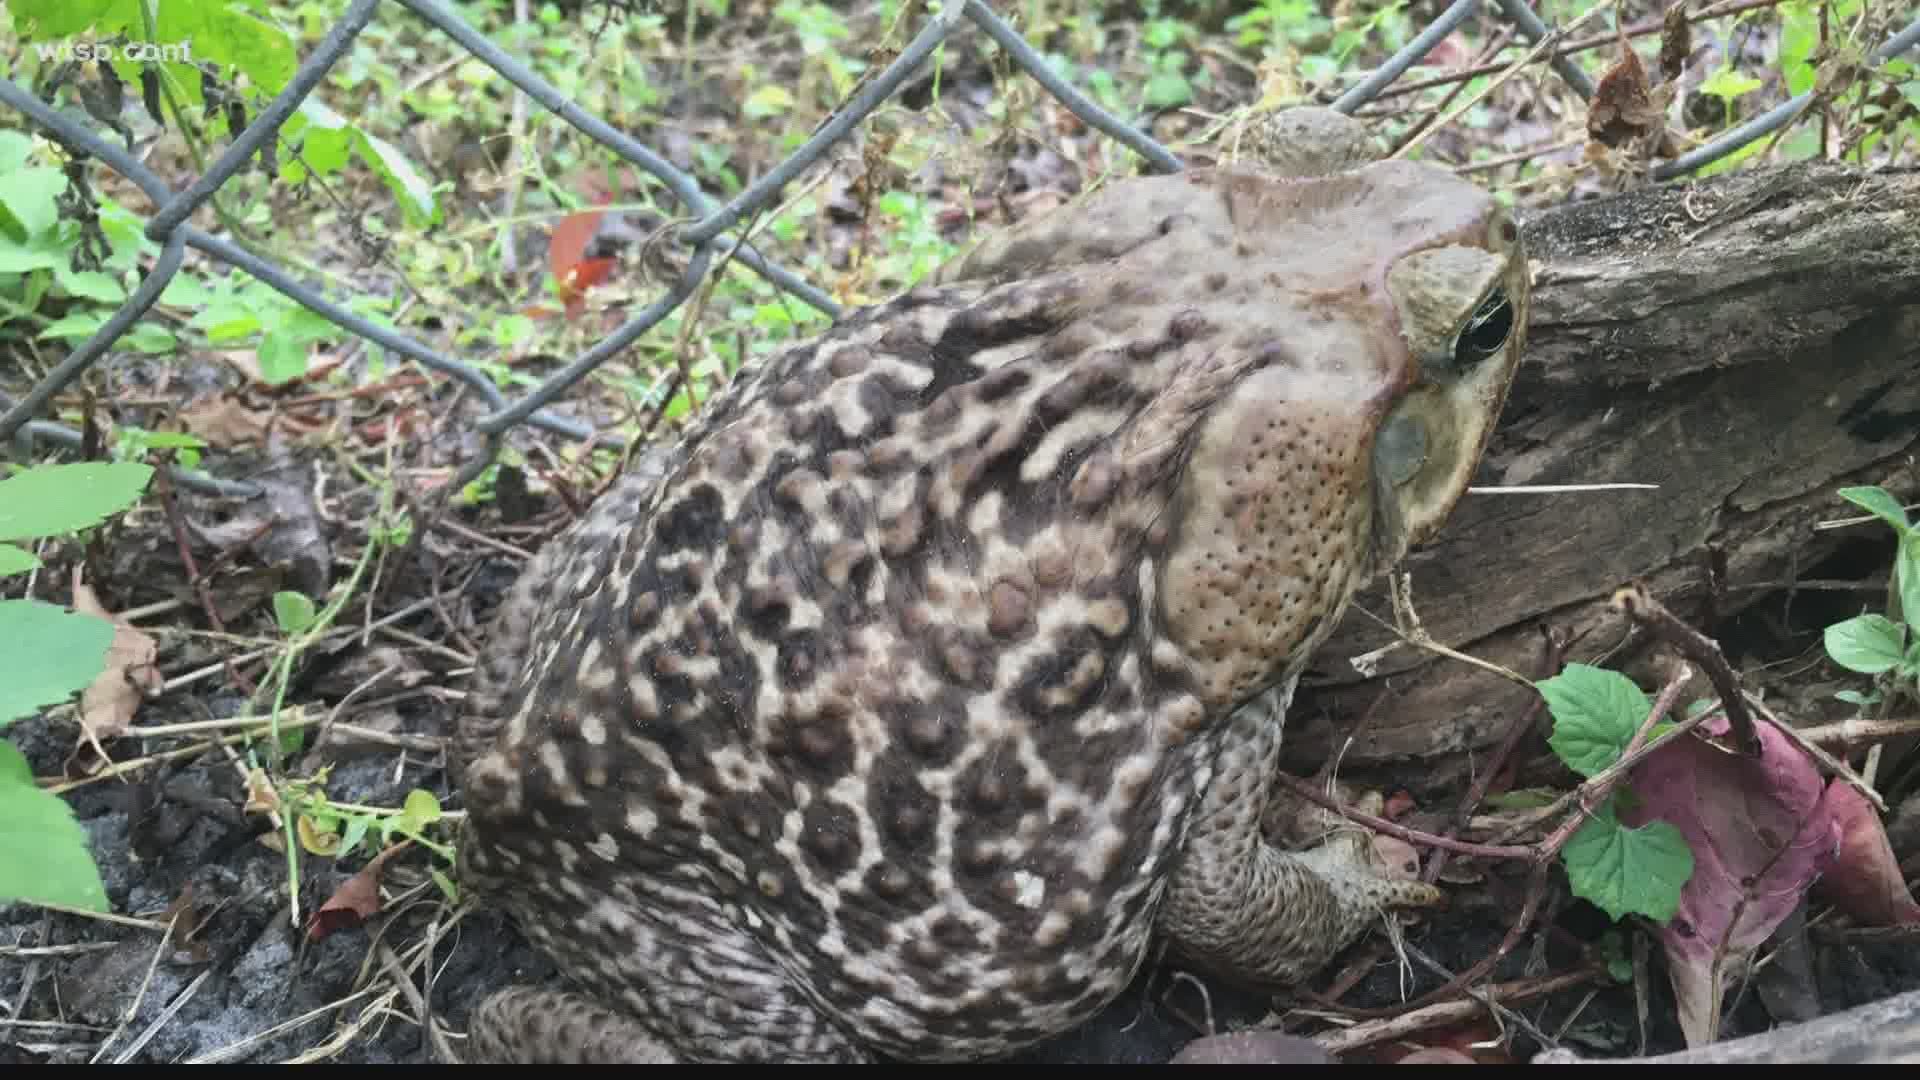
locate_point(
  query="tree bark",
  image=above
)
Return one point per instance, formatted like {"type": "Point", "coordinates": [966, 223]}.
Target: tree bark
{"type": "Point", "coordinates": [1749, 343]}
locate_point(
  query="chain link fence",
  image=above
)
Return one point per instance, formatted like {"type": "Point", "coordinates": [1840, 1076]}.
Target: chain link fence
{"type": "Point", "coordinates": [706, 239]}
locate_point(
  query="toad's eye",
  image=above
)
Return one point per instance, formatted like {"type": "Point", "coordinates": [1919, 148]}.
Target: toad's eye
{"type": "Point", "coordinates": [1486, 333]}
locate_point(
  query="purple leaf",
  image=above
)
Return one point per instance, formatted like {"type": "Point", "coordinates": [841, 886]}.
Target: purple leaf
{"type": "Point", "coordinates": [1761, 835]}
{"type": "Point", "coordinates": [1866, 881]}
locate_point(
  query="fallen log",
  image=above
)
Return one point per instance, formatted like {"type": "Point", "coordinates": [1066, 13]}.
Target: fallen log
{"type": "Point", "coordinates": [1885, 1032]}
{"type": "Point", "coordinates": [1748, 343]}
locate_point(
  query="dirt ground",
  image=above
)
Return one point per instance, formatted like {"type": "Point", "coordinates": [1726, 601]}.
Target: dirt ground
{"type": "Point", "coordinates": [238, 977]}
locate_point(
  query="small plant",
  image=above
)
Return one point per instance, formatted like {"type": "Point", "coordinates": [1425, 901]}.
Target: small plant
{"type": "Point", "coordinates": [1884, 645]}
{"type": "Point", "coordinates": [310, 821]}
{"type": "Point", "coordinates": [52, 653]}
{"type": "Point", "coordinates": [1623, 871]}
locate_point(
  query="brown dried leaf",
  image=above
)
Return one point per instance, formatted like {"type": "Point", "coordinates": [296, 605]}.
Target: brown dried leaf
{"type": "Point", "coordinates": [236, 591]}
{"type": "Point", "coordinates": [282, 527]}
{"type": "Point", "coordinates": [262, 796]}
{"type": "Point", "coordinates": [110, 701]}
{"type": "Point", "coordinates": [1624, 106]}
{"type": "Point", "coordinates": [224, 420]}
{"type": "Point", "coordinates": [355, 901]}
{"type": "Point", "coordinates": [184, 913]}
{"type": "Point", "coordinates": [1676, 42]}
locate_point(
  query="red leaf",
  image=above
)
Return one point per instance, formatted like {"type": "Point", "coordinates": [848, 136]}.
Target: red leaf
{"type": "Point", "coordinates": [354, 902]}
{"type": "Point", "coordinates": [568, 244]}
{"type": "Point", "coordinates": [1761, 833]}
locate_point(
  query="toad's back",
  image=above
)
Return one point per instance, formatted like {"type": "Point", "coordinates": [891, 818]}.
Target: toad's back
{"type": "Point", "coordinates": [862, 724]}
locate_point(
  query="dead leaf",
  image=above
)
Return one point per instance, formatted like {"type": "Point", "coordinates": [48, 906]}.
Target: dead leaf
{"type": "Point", "coordinates": [567, 258]}
{"type": "Point", "coordinates": [282, 526]}
{"type": "Point", "coordinates": [389, 667]}
{"type": "Point", "coordinates": [1452, 51]}
{"type": "Point", "coordinates": [1676, 42]}
{"type": "Point", "coordinates": [1865, 881]}
{"type": "Point", "coordinates": [1624, 106]}
{"type": "Point", "coordinates": [1761, 833]}
{"type": "Point", "coordinates": [224, 421]}
{"type": "Point", "coordinates": [262, 796]}
{"type": "Point", "coordinates": [355, 901]}
{"type": "Point", "coordinates": [115, 695]}
{"type": "Point", "coordinates": [312, 840]}
{"type": "Point", "coordinates": [235, 591]}
{"type": "Point", "coordinates": [1395, 857]}
{"type": "Point", "coordinates": [184, 913]}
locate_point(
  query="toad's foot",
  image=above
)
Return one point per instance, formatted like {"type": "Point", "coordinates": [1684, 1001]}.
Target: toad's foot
{"type": "Point", "coordinates": [530, 1025]}
{"type": "Point", "coordinates": [1250, 912]}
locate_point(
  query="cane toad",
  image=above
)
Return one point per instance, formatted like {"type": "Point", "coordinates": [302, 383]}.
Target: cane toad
{"type": "Point", "coordinates": [941, 669]}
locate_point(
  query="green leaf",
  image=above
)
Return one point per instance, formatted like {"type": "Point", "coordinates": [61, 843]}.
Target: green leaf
{"type": "Point", "coordinates": [185, 290]}
{"type": "Point", "coordinates": [420, 810]}
{"type": "Point", "coordinates": [1628, 871]}
{"type": "Point", "coordinates": [44, 251]}
{"type": "Point", "coordinates": [149, 338]}
{"type": "Point", "coordinates": [421, 806]}
{"type": "Point", "coordinates": [1880, 503]}
{"type": "Point", "coordinates": [356, 831]}
{"type": "Point", "coordinates": [75, 325]}
{"type": "Point", "coordinates": [1595, 713]}
{"type": "Point", "coordinates": [51, 655]}
{"type": "Point", "coordinates": [1799, 36]}
{"type": "Point", "coordinates": [1868, 644]}
{"type": "Point", "coordinates": [44, 856]}
{"type": "Point", "coordinates": [91, 284]}
{"type": "Point", "coordinates": [15, 149]}
{"type": "Point", "coordinates": [282, 356]}
{"type": "Point", "coordinates": [769, 100]}
{"type": "Point", "coordinates": [40, 20]}
{"type": "Point", "coordinates": [172, 440]}
{"type": "Point", "coordinates": [407, 183]}
{"type": "Point", "coordinates": [1168, 89]}
{"type": "Point", "coordinates": [294, 611]}
{"type": "Point", "coordinates": [29, 194]}
{"type": "Point", "coordinates": [226, 320]}
{"type": "Point", "coordinates": [1906, 579]}
{"type": "Point", "coordinates": [1728, 84]}
{"type": "Point", "coordinates": [16, 560]}
{"type": "Point", "coordinates": [225, 34]}
{"type": "Point", "coordinates": [447, 887]}
{"type": "Point", "coordinates": [51, 500]}
{"type": "Point", "coordinates": [323, 137]}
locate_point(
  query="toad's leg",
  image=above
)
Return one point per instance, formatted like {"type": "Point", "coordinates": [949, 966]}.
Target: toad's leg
{"type": "Point", "coordinates": [681, 984]}
{"type": "Point", "coordinates": [530, 1025]}
{"type": "Point", "coordinates": [1249, 911]}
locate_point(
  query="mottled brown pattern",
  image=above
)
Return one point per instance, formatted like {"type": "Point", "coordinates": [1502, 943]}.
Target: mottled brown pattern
{"type": "Point", "coordinates": [897, 709]}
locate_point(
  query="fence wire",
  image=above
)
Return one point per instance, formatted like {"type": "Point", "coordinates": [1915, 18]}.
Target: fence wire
{"type": "Point", "coordinates": [706, 237]}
